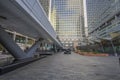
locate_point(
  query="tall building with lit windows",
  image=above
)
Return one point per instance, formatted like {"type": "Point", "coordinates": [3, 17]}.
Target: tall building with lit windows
{"type": "Point", "coordinates": [68, 21]}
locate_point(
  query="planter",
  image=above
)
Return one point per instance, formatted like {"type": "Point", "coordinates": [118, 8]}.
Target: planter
{"type": "Point", "coordinates": [92, 54]}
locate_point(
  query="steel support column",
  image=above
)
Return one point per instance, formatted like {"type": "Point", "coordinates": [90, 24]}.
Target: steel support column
{"type": "Point", "coordinates": [30, 51]}
{"type": "Point", "coordinates": [102, 47]}
{"type": "Point", "coordinates": [55, 48]}
{"type": "Point", "coordinates": [10, 45]}
{"type": "Point", "coordinates": [115, 53]}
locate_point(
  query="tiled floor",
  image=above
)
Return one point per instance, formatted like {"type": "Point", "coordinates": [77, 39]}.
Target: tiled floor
{"type": "Point", "coordinates": [68, 67]}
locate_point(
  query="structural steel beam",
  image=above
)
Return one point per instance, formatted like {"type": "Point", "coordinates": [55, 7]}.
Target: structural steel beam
{"type": "Point", "coordinates": [14, 49]}
{"type": "Point", "coordinates": [30, 51]}
{"type": "Point", "coordinates": [10, 45]}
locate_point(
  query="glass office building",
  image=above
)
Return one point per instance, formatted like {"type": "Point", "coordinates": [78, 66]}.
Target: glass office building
{"type": "Point", "coordinates": [97, 12]}
{"type": "Point", "coordinates": [104, 23]}
{"type": "Point", "coordinates": [67, 17]}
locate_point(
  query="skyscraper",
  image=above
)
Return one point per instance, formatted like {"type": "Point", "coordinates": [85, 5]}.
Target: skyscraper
{"type": "Point", "coordinates": [68, 21]}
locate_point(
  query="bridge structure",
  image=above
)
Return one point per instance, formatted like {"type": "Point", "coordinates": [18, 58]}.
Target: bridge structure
{"type": "Point", "coordinates": [28, 18]}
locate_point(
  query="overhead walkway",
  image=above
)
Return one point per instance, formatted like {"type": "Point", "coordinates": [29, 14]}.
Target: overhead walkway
{"type": "Point", "coordinates": [28, 18]}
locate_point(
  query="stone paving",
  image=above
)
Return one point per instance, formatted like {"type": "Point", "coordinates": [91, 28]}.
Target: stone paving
{"type": "Point", "coordinates": [68, 67]}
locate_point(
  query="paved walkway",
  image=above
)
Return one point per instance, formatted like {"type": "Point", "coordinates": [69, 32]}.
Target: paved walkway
{"type": "Point", "coordinates": [68, 67]}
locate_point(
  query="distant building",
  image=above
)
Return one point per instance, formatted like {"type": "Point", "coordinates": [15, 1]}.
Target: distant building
{"type": "Point", "coordinates": [67, 17]}
{"type": "Point", "coordinates": [53, 18]}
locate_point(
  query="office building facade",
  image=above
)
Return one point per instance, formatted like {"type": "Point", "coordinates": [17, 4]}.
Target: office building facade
{"type": "Point", "coordinates": [68, 21]}
{"type": "Point", "coordinates": [97, 13]}
{"type": "Point", "coordinates": [104, 22]}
